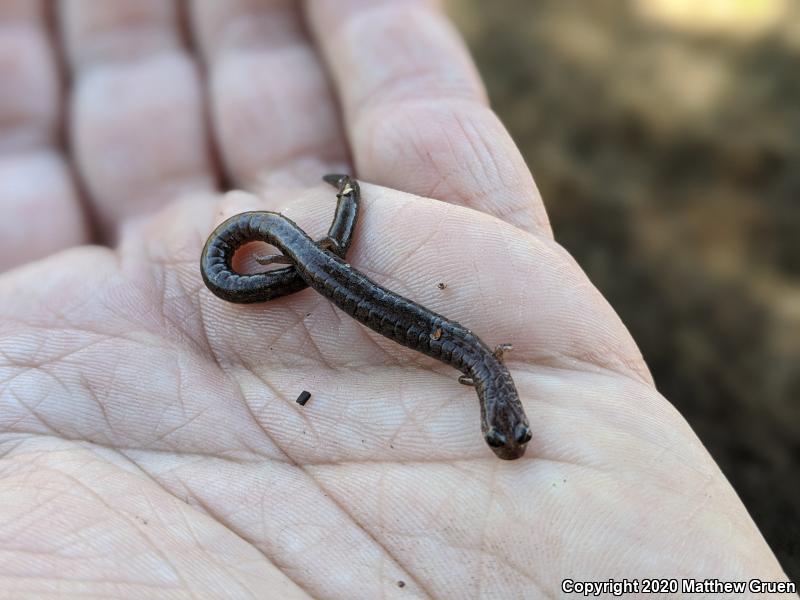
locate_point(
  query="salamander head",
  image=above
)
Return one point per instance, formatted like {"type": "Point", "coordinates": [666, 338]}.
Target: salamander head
{"type": "Point", "coordinates": [508, 440]}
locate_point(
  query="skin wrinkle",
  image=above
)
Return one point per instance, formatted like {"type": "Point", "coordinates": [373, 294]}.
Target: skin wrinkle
{"type": "Point", "coordinates": [14, 424]}
{"type": "Point", "coordinates": [505, 559]}
{"type": "Point", "coordinates": [478, 458]}
{"type": "Point", "coordinates": [705, 499]}
{"type": "Point", "coordinates": [408, 415]}
{"type": "Point", "coordinates": [179, 392]}
{"type": "Point", "coordinates": [17, 530]}
{"type": "Point", "coordinates": [442, 186]}
{"type": "Point", "coordinates": [221, 368]}
{"type": "Point", "coordinates": [368, 429]}
{"type": "Point", "coordinates": [103, 596]}
{"type": "Point", "coordinates": [426, 242]}
{"type": "Point", "coordinates": [33, 413]}
{"type": "Point", "coordinates": [657, 483]}
{"type": "Point", "coordinates": [503, 211]}
{"type": "Point", "coordinates": [427, 412]}
{"type": "Point", "coordinates": [668, 450]}
{"type": "Point", "coordinates": [288, 403]}
{"type": "Point", "coordinates": [190, 527]}
{"type": "Point", "coordinates": [312, 479]}
{"type": "Point", "coordinates": [467, 132]}
{"type": "Point", "coordinates": [135, 525]}
{"type": "Point", "coordinates": [387, 96]}
{"type": "Point", "coordinates": [49, 372]}
{"type": "Point", "coordinates": [523, 211]}
{"type": "Point", "coordinates": [493, 171]}
{"type": "Point", "coordinates": [70, 353]}
{"type": "Point", "coordinates": [7, 449]}
{"type": "Point", "coordinates": [410, 418]}
{"type": "Point", "coordinates": [113, 378]}
{"type": "Point", "coordinates": [179, 330]}
{"type": "Point", "coordinates": [160, 485]}
{"type": "Point", "coordinates": [183, 334]}
{"type": "Point", "coordinates": [485, 525]}
{"type": "Point", "coordinates": [510, 563]}
{"type": "Point", "coordinates": [284, 567]}
{"type": "Point", "coordinates": [233, 377]}
{"type": "Point", "coordinates": [84, 383]}
{"type": "Point", "coordinates": [178, 427]}
{"type": "Point", "coordinates": [373, 124]}
{"type": "Point", "coordinates": [160, 275]}
{"type": "Point", "coordinates": [310, 428]}
{"type": "Point", "coordinates": [480, 549]}
{"type": "Point", "coordinates": [327, 493]}
{"type": "Point", "coordinates": [381, 504]}
{"type": "Point", "coordinates": [569, 363]}
{"type": "Point", "coordinates": [516, 301]}
{"type": "Point", "coordinates": [308, 337]}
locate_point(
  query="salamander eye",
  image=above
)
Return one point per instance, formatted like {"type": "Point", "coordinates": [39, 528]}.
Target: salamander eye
{"type": "Point", "coordinates": [495, 439]}
{"type": "Point", "coordinates": [522, 433]}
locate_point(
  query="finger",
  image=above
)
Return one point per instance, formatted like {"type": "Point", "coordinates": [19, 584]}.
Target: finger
{"type": "Point", "coordinates": [137, 121]}
{"type": "Point", "coordinates": [38, 201]}
{"type": "Point", "coordinates": [272, 108]}
{"type": "Point", "coordinates": [416, 111]}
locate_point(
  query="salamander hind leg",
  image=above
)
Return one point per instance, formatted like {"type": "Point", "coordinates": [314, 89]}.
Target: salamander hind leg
{"type": "Point", "coordinates": [332, 245]}
{"type": "Point", "coordinates": [501, 349]}
{"type": "Point", "coordinates": [274, 259]}
{"type": "Point", "coordinates": [335, 179]}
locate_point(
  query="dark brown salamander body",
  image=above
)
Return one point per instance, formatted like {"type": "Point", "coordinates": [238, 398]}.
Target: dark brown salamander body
{"type": "Point", "coordinates": [216, 263]}
{"type": "Point", "coordinates": [503, 421]}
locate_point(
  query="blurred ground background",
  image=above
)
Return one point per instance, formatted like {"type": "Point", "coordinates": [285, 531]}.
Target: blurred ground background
{"type": "Point", "coordinates": [664, 136]}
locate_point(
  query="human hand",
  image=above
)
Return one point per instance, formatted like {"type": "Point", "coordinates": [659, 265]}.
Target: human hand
{"type": "Point", "coordinates": [150, 444]}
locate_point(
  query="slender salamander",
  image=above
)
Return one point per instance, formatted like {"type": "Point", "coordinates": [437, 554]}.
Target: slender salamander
{"type": "Point", "coordinates": [320, 265]}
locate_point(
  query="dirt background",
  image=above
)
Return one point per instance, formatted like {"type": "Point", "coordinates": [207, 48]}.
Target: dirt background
{"type": "Point", "coordinates": [664, 136]}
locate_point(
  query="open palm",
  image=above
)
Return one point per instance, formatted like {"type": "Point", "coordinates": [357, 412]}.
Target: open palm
{"type": "Point", "coordinates": [150, 446]}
